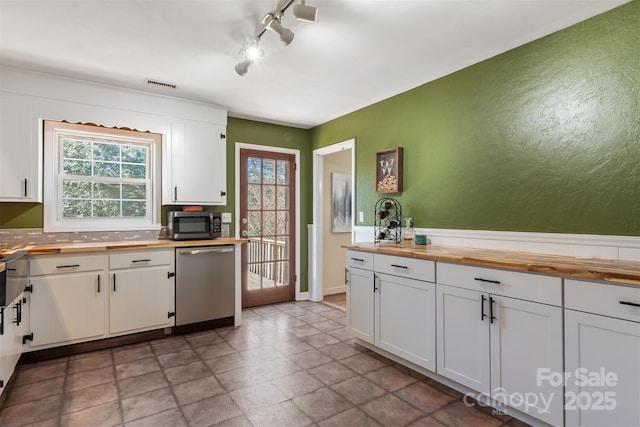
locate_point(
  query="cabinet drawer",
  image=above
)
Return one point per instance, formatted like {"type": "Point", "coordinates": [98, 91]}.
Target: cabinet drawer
{"type": "Point", "coordinates": [17, 268]}
{"type": "Point", "coordinates": [59, 264]}
{"type": "Point", "coordinates": [603, 298]}
{"type": "Point", "coordinates": [412, 268]}
{"type": "Point", "coordinates": [527, 286]}
{"type": "Point", "coordinates": [359, 259]}
{"type": "Point", "coordinates": [140, 259]}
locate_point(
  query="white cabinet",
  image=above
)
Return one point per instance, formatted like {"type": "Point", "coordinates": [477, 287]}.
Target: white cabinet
{"type": "Point", "coordinates": [196, 164]}
{"type": "Point", "coordinates": [141, 290]}
{"type": "Point", "coordinates": [11, 332]}
{"type": "Point", "coordinates": [602, 354]}
{"type": "Point", "coordinates": [389, 308]}
{"type": "Point", "coordinates": [497, 344]}
{"type": "Point", "coordinates": [360, 296]}
{"type": "Point", "coordinates": [68, 300]}
{"type": "Point", "coordinates": [20, 153]}
{"type": "Point", "coordinates": [405, 321]}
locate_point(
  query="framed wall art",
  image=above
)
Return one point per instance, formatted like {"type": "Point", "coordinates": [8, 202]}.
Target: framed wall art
{"type": "Point", "coordinates": [341, 203]}
{"type": "Point", "coordinates": [389, 170]}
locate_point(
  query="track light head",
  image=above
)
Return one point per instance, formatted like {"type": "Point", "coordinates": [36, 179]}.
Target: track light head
{"type": "Point", "coordinates": [253, 52]}
{"type": "Point", "coordinates": [302, 12]}
{"type": "Point", "coordinates": [286, 35]}
{"type": "Point", "coordinates": [243, 67]}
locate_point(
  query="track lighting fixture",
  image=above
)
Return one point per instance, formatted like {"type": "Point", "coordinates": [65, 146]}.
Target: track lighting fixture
{"type": "Point", "coordinates": [272, 21]}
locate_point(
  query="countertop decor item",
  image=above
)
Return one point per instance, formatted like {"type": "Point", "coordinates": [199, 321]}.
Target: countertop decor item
{"type": "Point", "coordinates": [389, 170]}
{"type": "Point", "coordinates": [388, 221]}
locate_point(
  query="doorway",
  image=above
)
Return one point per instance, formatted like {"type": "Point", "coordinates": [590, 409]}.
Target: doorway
{"type": "Point", "coordinates": [267, 215]}
{"type": "Point", "coordinates": [319, 265]}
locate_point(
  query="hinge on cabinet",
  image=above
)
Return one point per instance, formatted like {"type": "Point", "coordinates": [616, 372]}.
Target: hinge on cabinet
{"type": "Point", "coordinates": [171, 314]}
{"type": "Point", "coordinates": [223, 136]}
{"type": "Point", "coordinates": [170, 275]}
{"type": "Point", "coordinates": [26, 338]}
{"type": "Point", "coordinates": [28, 288]}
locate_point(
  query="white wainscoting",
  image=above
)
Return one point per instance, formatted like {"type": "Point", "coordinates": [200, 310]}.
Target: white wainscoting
{"type": "Point", "coordinates": [625, 248]}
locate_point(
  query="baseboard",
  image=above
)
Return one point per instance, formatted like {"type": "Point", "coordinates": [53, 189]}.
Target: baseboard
{"type": "Point", "coordinates": [626, 248]}
{"type": "Point", "coordinates": [302, 296]}
{"type": "Point", "coordinates": [335, 290]}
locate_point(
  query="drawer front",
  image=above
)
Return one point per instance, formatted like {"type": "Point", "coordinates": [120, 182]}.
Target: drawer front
{"type": "Point", "coordinates": [57, 264]}
{"type": "Point", "coordinates": [359, 259]}
{"type": "Point", "coordinates": [530, 287]}
{"type": "Point", "coordinates": [418, 269]}
{"type": "Point", "coordinates": [622, 302]}
{"type": "Point", "coordinates": [17, 268]}
{"type": "Point", "coordinates": [140, 259]}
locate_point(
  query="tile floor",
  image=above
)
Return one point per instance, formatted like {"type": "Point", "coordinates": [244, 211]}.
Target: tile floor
{"type": "Point", "coordinates": [291, 364]}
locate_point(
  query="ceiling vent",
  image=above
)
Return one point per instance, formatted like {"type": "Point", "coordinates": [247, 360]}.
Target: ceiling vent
{"type": "Point", "coordinates": [157, 83]}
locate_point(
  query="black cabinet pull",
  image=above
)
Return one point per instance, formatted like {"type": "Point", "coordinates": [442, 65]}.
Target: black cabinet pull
{"type": "Point", "coordinates": [375, 288]}
{"type": "Point", "coordinates": [98, 283]}
{"type": "Point", "coordinates": [357, 259]}
{"type": "Point", "coordinates": [141, 260]}
{"type": "Point", "coordinates": [68, 266]}
{"type": "Point", "coordinates": [491, 316]}
{"type": "Point", "coordinates": [480, 279]}
{"type": "Point", "coordinates": [114, 282]}
{"type": "Point", "coordinates": [223, 193]}
{"type": "Point", "coordinates": [18, 309]}
{"type": "Point", "coordinates": [482, 315]}
{"type": "Point", "coordinates": [25, 187]}
{"type": "Point", "coordinates": [399, 266]}
{"type": "Point", "coordinates": [346, 280]}
{"type": "Point", "coordinates": [632, 304]}
{"type": "Point", "coordinates": [175, 193]}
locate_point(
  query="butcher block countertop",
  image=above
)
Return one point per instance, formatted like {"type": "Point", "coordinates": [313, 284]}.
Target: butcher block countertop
{"type": "Point", "coordinates": [65, 248]}
{"type": "Point", "coordinates": [614, 271]}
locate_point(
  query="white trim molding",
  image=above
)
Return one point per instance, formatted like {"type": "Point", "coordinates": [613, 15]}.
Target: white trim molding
{"type": "Point", "coordinates": [625, 248]}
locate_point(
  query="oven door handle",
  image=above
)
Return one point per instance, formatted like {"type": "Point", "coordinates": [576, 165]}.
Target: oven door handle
{"type": "Point", "coordinates": [204, 251]}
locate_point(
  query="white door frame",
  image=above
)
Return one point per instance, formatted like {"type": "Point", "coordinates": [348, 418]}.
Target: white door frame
{"type": "Point", "coordinates": [316, 269]}
{"type": "Point", "coordinates": [296, 153]}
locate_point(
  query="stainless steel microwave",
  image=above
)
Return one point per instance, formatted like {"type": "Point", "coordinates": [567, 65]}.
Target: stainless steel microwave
{"type": "Point", "coordinates": [194, 225]}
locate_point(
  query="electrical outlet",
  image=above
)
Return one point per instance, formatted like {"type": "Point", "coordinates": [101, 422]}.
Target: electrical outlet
{"type": "Point", "coordinates": [226, 217]}
{"type": "Point", "coordinates": [360, 216]}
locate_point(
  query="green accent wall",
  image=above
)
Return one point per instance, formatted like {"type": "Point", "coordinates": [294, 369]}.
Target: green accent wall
{"type": "Point", "coordinates": [542, 138]}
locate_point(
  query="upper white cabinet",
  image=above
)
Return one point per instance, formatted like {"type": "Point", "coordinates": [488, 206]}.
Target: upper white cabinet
{"type": "Point", "coordinates": [195, 164]}
{"type": "Point", "coordinates": [20, 150]}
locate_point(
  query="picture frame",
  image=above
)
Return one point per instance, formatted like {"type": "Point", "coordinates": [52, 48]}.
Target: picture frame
{"type": "Point", "coordinates": [341, 190]}
{"type": "Point", "coordinates": [389, 171]}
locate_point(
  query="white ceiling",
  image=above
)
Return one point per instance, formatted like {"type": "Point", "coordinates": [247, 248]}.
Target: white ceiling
{"type": "Point", "coordinates": [357, 53]}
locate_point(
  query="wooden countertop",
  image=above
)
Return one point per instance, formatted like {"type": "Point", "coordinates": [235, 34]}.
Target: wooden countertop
{"type": "Point", "coordinates": [61, 248]}
{"type": "Point", "coordinates": [614, 271]}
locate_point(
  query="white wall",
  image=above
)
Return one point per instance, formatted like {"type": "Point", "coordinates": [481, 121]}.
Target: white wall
{"type": "Point", "coordinates": [333, 254]}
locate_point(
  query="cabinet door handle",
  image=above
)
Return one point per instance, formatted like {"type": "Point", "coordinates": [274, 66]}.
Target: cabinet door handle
{"type": "Point", "coordinates": [491, 316]}
{"type": "Point", "coordinates": [399, 266]}
{"type": "Point", "coordinates": [25, 187]}
{"type": "Point", "coordinates": [114, 282]}
{"type": "Point", "coordinates": [98, 283]}
{"type": "Point", "coordinates": [141, 260]}
{"type": "Point", "coordinates": [68, 266]}
{"type": "Point", "coordinates": [632, 304]}
{"type": "Point", "coordinates": [480, 279]}
{"type": "Point", "coordinates": [357, 259]}
{"type": "Point", "coordinates": [175, 193]}
{"type": "Point", "coordinates": [346, 280]}
{"type": "Point", "coordinates": [375, 288]}
{"type": "Point", "coordinates": [482, 315]}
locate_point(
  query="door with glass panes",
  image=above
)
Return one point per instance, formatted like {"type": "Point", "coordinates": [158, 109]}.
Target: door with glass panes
{"type": "Point", "coordinates": [267, 219]}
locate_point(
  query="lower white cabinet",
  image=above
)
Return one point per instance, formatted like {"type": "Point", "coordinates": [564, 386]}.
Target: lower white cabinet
{"type": "Point", "coordinates": [602, 354]}
{"type": "Point", "coordinates": [405, 321]}
{"type": "Point", "coordinates": [68, 299]}
{"type": "Point", "coordinates": [394, 312]}
{"type": "Point", "coordinates": [12, 330]}
{"type": "Point", "coordinates": [499, 346]}
{"type": "Point", "coordinates": [141, 291]}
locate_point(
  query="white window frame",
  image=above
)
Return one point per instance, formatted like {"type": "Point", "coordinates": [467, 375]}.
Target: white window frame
{"type": "Point", "coordinates": [53, 178]}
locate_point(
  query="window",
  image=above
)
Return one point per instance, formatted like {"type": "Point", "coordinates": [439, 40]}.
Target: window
{"type": "Point", "coordinates": [100, 179]}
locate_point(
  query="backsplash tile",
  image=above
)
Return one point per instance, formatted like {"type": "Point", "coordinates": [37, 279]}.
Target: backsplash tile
{"type": "Point", "coordinates": [28, 236]}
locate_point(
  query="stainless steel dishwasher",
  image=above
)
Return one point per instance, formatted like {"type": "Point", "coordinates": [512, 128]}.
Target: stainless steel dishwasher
{"type": "Point", "coordinates": [205, 287]}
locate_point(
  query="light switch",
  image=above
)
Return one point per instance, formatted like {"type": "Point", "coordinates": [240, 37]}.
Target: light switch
{"type": "Point", "coordinates": [360, 216]}
{"type": "Point", "coordinates": [226, 217]}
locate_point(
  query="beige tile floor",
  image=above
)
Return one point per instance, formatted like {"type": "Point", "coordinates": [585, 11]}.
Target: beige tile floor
{"type": "Point", "coordinates": [291, 364]}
